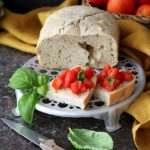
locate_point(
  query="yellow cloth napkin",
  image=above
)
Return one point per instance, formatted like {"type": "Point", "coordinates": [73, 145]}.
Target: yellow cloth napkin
{"type": "Point", "coordinates": [21, 31]}
{"type": "Point", "coordinates": [135, 41]}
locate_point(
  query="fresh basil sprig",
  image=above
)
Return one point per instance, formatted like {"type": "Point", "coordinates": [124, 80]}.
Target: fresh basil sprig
{"type": "Point", "coordinates": [84, 139]}
{"type": "Point", "coordinates": [111, 80]}
{"type": "Point", "coordinates": [27, 104]}
{"type": "Point", "coordinates": [23, 78]}
{"type": "Point", "coordinates": [33, 86]}
{"type": "Point", "coordinates": [81, 75]}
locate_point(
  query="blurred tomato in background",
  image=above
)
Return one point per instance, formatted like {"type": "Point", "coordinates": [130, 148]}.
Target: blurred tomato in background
{"type": "Point", "coordinates": [121, 6]}
{"type": "Point", "coordinates": [143, 10]}
{"type": "Point", "coordinates": [141, 2]}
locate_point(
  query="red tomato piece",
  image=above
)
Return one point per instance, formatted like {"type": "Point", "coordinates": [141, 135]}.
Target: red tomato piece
{"type": "Point", "coordinates": [126, 75]}
{"type": "Point", "coordinates": [116, 83]}
{"type": "Point", "coordinates": [141, 2]}
{"type": "Point", "coordinates": [83, 88]}
{"type": "Point", "coordinates": [69, 78]}
{"type": "Point", "coordinates": [54, 84]}
{"type": "Point", "coordinates": [105, 84]}
{"type": "Point", "coordinates": [76, 86]}
{"type": "Point", "coordinates": [57, 83]}
{"type": "Point", "coordinates": [63, 74]}
{"type": "Point", "coordinates": [88, 83]}
{"type": "Point", "coordinates": [77, 69]}
{"type": "Point", "coordinates": [101, 76]}
{"type": "Point", "coordinates": [107, 67]}
{"type": "Point", "coordinates": [143, 10]}
{"type": "Point", "coordinates": [118, 77]}
{"type": "Point", "coordinates": [113, 72]}
{"type": "Point", "coordinates": [121, 6]}
{"type": "Point", "coordinates": [88, 73]}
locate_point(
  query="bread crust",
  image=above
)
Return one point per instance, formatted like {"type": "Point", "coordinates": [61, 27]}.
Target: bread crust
{"type": "Point", "coordinates": [66, 96]}
{"type": "Point", "coordinates": [122, 92]}
{"type": "Point", "coordinates": [88, 98]}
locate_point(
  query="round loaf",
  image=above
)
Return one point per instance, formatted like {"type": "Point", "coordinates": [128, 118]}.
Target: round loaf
{"type": "Point", "coordinates": [78, 35]}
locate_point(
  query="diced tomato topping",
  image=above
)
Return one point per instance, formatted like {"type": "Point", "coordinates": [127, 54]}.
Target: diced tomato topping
{"type": "Point", "coordinates": [89, 73]}
{"type": "Point", "coordinates": [101, 76]}
{"type": "Point", "coordinates": [109, 78]}
{"type": "Point", "coordinates": [116, 83]}
{"type": "Point", "coordinates": [126, 75]}
{"type": "Point", "coordinates": [69, 78]}
{"type": "Point", "coordinates": [105, 84]}
{"type": "Point", "coordinates": [77, 69]}
{"type": "Point", "coordinates": [107, 67]}
{"type": "Point", "coordinates": [113, 72]}
{"type": "Point", "coordinates": [88, 83]}
{"type": "Point", "coordinates": [57, 83]}
{"type": "Point", "coordinates": [63, 74]}
{"type": "Point", "coordinates": [83, 88]}
{"type": "Point", "coordinates": [118, 77]}
{"type": "Point", "coordinates": [76, 86]}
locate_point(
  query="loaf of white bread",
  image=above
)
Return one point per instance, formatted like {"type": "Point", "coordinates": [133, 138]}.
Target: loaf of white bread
{"type": "Point", "coordinates": [78, 35]}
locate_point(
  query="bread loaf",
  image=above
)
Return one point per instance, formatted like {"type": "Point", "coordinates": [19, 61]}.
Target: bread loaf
{"type": "Point", "coordinates": [78, 35]}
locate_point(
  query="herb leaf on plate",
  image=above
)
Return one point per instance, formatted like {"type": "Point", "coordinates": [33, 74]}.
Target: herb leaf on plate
{"type": "Point", "coordinates": [111, 80]}
{"type": "Point", "coordinates": [42, 90]}
{"type": "Point", "coordinates": [27, 105]}
{"type": "Point", "coordinates": [33, 87]}
{"type": "Point", "coordinates": [83, 139]}
{"type": "Point", "coordinates": [23, 78]}
{"type": "Point", "coordinates": [81, 75]}
{"type": "Point", "coordinates": [42, 79]}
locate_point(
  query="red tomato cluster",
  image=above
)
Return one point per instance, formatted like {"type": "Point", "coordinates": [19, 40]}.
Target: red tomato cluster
{"type": "Point", "coordinates": [69, 79]}
{"type": "Point", "coordinates": [110, 78]}
{"type": "Point", "coordinates": [137, 7]}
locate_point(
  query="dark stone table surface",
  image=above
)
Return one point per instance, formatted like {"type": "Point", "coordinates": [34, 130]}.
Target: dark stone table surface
{"type": "Point", "coordinates": [50, 126]}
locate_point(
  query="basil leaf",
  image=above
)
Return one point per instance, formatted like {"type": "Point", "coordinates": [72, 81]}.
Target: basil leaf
{"type": "Point", "coordinates": [43, 79]}
{"type": "Point", "coordinates": [81, 75]}
{"type": "Point", "coordinates": [111, 80]}
{"type": "Point", "coordinates": [42, 90]}
{"type": "Point", "coordinates": [83, 139]}
{"type": "Point", "coordinates": [27, 105]}
{"type": "Point", "coordinates": [23, 78]}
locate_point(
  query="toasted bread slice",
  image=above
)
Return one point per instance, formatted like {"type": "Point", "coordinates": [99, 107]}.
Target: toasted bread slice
{"type": "Point", "coordinates": [66, 96]}
{"type": "Point", "coordinates": [123, 91]}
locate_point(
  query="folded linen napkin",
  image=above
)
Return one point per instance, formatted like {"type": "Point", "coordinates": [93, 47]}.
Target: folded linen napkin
{"type": "Point", "coordinates": [21, 31]}
{"type": "Point", "coordinates": [135, 42]}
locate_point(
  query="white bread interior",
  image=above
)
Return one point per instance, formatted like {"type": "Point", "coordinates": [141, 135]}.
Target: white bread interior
{"type": "Point", "coordinates": [66, 96]}
{"type": "Point", "coordinates": [123, 91]}
{"type": "Point", "coordinates": [78, 35]}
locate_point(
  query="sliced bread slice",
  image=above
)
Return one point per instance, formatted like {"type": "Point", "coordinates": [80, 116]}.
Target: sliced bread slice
{"type": "Point", "coordinates": [123, 91]}
{"type": "Point", "coordinates": [66, 96]}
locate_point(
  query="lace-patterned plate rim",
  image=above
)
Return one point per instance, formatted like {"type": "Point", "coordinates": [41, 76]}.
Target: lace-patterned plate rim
{"type": "Point", "coordinates": [95, 106]}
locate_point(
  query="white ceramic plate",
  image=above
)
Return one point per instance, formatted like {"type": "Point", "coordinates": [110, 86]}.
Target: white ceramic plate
{"type": "Point", "coordinates": [95, 108]}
